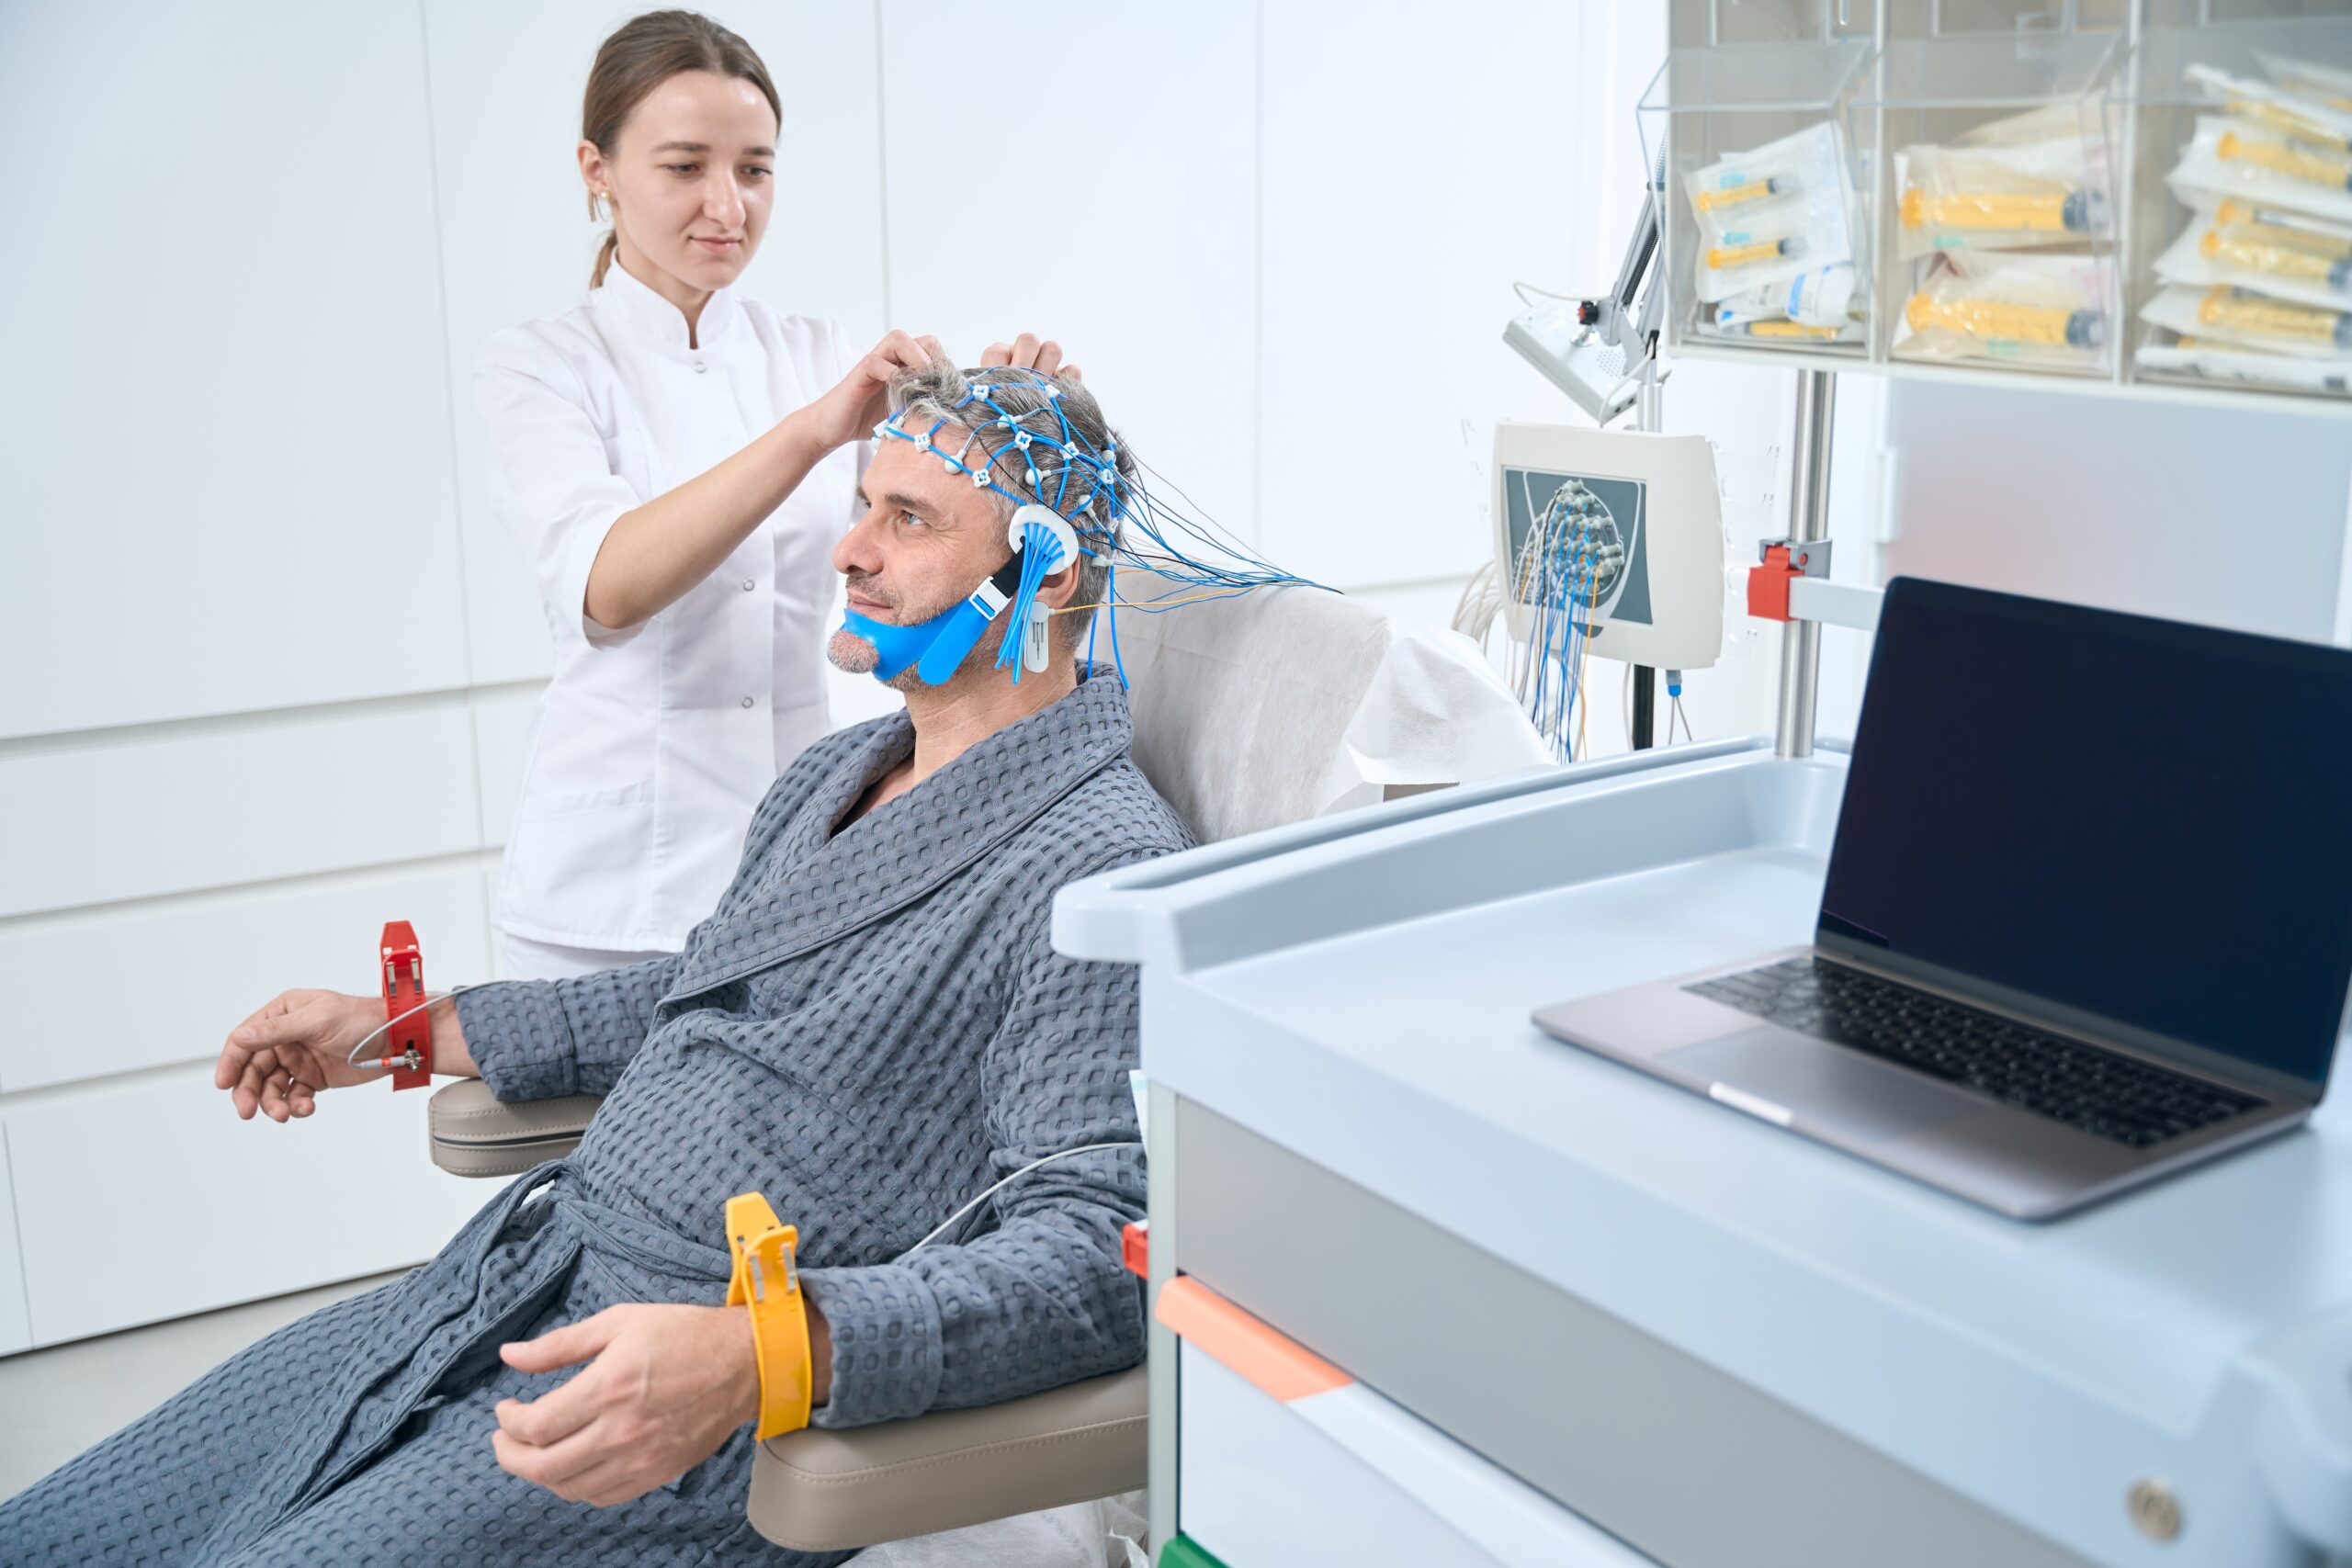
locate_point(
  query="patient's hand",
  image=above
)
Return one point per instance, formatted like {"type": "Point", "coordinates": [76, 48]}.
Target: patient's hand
{"type": "Point", "coordinates": [277, 1060]}
{"type": "Point", "coordinates": [1028, 351]}
{"type": "Point", "coordinates": [666, 1387]}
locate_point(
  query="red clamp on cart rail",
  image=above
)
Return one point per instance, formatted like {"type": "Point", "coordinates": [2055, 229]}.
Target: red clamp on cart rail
{"type": "Point", "coordinates": [408, 1041]}
{"type": "Point", "coordinates": [1784, 560]}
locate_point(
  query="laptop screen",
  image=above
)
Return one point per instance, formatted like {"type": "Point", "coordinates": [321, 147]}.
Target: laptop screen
{"type": "Point", "coordinates": [2142, 821]}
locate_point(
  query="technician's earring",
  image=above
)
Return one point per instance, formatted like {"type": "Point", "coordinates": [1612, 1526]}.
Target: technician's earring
{"type": "Point", "coordinates": [596, 206]}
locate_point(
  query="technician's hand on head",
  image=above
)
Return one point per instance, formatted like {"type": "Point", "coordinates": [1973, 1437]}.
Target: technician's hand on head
{"type": "Point", "coordinates": [277, 1060]}
{"type": "Point", "coordinates": [851, 410]}
{"type": "Point", "coordinates": [1030, 352]}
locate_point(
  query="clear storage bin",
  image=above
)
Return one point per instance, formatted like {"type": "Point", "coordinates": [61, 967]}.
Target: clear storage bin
{"type": "Point", "coordinates": [1998, 213]}
{"type": "Point", "coordinates": [1765, 200]}
{"type": "Point", "coordinates": [2237, 261]}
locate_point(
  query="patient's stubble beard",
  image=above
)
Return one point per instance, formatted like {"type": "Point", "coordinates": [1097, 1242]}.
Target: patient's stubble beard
{"type": "Point", "coordinates": [848, 651]}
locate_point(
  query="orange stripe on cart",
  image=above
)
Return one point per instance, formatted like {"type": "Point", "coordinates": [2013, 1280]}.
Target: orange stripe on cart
{"type": "Point", "coordinates": [1276, 1363]}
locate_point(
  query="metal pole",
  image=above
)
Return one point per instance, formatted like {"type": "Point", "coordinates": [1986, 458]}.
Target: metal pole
{"type": "Point", "coordinates": [1808, 520]}
{"type": "Point", "coordinates": [1647, 416]}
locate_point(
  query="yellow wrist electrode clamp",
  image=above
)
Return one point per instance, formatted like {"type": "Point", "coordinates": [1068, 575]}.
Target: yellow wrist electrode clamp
{"type": "Point", "coordinates": [767, 1280]}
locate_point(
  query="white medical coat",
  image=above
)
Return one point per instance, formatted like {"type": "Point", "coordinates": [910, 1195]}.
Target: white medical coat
{"type": "Point", "coordinates": [652, 746]}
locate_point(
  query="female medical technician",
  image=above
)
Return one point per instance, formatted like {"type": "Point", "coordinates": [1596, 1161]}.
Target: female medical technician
{"type": "Point", "coordinates": [677, 463]}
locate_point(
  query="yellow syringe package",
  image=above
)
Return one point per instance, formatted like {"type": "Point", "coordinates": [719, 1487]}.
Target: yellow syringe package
{"type": "Point", "coordinates": [2284, 254]}
{"type": "Point", "coordinates": [1767, 216]}
{"type": "Point", "coordinates": [2239, 318]}
{"type": "Point", "coordinates": [2231, 156]}
{"type": "Point", "coordinates": [2255, 288]}
{"type": "Point", "coordinates": [2046, 311]}
{"type": "Point", "coordinates": [2001, 198]}
{"type": "Point", "coordinates": [2327, 86]}
{"type": "Point", "coordinates": [2315, 121]}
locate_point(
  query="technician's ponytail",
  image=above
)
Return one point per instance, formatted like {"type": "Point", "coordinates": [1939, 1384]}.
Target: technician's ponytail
{"type": "Point", "coordinates": [642, 54]}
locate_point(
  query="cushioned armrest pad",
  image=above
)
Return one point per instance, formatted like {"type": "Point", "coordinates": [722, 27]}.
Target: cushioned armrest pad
{"type": "Point", "coordinates": [826, 1491]}
{"type": "Point", "coordinates": [474, 1135]}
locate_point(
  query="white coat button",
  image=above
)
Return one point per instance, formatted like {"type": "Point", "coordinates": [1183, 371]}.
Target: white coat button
{"type": "Point", "coordinates": [699, 367]}
{"type": "Point", "coordinates": [747, 702]}
{"type": "Point", "coordinates": [748, 584]}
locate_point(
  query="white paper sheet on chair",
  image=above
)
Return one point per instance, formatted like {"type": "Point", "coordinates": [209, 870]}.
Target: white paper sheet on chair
{"type": "Point", "coordinates": [1287, 703]}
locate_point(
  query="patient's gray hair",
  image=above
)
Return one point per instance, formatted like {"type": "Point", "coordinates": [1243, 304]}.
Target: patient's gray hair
{"type": "Point", "coordinates": [934, 392]}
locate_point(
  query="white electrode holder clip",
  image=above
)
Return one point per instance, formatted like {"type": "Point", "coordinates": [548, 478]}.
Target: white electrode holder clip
{"type": "Point", "coordinates": [1046, 517]}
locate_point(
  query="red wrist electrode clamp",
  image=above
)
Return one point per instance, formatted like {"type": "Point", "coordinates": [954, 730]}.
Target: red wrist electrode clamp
{"type": "Point", "coordinates": [408, 1041]}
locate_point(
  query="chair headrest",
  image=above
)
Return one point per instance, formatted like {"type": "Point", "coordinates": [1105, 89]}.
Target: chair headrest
{"type": "Point", "coordinates": [1272, 706]}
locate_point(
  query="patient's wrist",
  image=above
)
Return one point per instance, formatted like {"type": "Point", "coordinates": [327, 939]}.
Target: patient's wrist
{"type": "Point", "coordinates": [450, 1056]}
{"type": "Point", "coordinates": [821, 1354]}
{"type": "Point", "coordinates": [745, 1377]}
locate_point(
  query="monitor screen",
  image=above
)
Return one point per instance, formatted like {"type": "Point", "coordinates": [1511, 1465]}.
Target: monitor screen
{"type": "Point", "coordinates": [2136, 819]}
{"type": "Point", "coordinates": [1581, 535]}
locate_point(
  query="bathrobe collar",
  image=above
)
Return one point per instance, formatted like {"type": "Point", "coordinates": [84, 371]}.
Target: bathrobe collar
{"type": "Point", "coordinates": [942, 827]}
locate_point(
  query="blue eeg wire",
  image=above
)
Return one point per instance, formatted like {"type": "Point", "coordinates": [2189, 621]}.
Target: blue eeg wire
{"type": "Point", "coordinates": [1557, 580]}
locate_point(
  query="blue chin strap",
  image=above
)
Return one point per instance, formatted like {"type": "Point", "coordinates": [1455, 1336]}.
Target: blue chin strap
{"type": "Point", "coordinates": [898, 645]}
{"type": "Point", "coordinates": [938, 646]}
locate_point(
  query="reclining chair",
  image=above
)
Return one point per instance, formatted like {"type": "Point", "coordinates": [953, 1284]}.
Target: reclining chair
{"type": "Point", "coordinates": [1249, 713]}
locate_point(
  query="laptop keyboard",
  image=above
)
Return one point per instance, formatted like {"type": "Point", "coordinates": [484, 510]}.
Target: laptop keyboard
{"type": "Point", "coordinates": [2101, 1092]}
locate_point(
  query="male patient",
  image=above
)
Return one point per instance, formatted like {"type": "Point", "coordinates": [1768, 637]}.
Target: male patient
{"type": "Point", "coordinates": [870, 1029]}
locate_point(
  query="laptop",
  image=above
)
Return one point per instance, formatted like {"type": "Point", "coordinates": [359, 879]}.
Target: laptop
{"type": "Point", "coordinates": [2087, 920]}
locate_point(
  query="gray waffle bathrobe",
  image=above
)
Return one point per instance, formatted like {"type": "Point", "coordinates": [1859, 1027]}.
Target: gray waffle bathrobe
{"type": "Point", "coordinates": [870, 1029]}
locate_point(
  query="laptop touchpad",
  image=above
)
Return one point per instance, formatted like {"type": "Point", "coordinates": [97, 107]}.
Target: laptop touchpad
{"type": "Point", "coordinates": [1824, 1086]}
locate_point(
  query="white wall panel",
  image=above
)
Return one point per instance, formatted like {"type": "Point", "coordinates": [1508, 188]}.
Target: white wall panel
{"type": "Point", "coordinates": [175, 978]}
{"type": "Point", "coordinates": [223, 405]}
{"type": "Point", "coordinates": [1101, 195]}
{"type": "Point", "coordinates": [233, 1210]}
{"type": "Point", "coordinates": [2228, 517]}
{"type": "Point", "coordinates": [517, 243]}
{"type": "Point", "coordinates": [502, 746]}
{"type": "Point", "coordinates": [16, 1321]}
{"type": "Point", "coordinates": [92, 824]}
{"type": "Point", "coordinates": [1417, 159]}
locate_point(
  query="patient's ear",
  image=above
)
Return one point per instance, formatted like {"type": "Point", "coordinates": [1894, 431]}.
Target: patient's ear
{"type": "Point", "coordinates": [1058, 588]}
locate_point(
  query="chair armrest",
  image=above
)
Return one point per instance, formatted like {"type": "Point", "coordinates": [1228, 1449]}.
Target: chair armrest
{"type": "Point", "coordinates": [475, 1134]}
{"type": "Point", "coordinates": [826, 1491]}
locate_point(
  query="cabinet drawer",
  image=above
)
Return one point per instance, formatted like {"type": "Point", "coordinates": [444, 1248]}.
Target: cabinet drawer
{"type": "Point", "coordinates": [1344, 1475]}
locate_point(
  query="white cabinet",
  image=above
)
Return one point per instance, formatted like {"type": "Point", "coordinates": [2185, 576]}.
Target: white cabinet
{"type": "Point", "coordinates": [222, 806]}
{"type": "Point", "coordinates": [148, 1199]}
{"type": "Point", "coordinates": [119, 991]}
{"type": "Point", "coordinates": [224, 422]}
{"type": "Point", "coordinates": [16, 1322]}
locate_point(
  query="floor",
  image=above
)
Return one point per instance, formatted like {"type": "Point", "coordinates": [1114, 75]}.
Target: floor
{"type": "Point", "coordinates": [55, 1403]}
